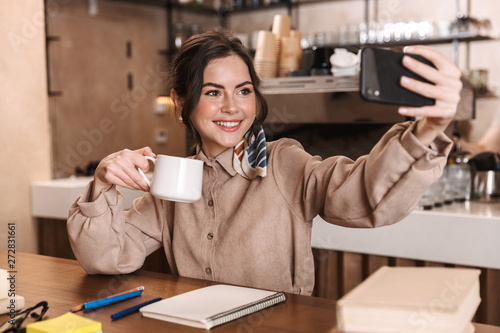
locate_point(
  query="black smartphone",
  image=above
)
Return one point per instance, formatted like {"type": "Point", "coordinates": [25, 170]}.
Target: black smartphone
{"type": "Point", "coordinates": [380, 72]}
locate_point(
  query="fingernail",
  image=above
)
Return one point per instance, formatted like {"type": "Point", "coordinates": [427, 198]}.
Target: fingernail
{"type": "Point", "coordinates": [403, 110]}
{"type": "Point", "coordinates": [405, 80]}
{"type": "Point", "coordinates": [407, 59]}
{"type": "Point", "coordinates": [408, 49]}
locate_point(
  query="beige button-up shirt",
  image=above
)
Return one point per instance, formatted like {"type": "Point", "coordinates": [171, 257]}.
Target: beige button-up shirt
{"type": "Point", "coordinates": [258, 232]}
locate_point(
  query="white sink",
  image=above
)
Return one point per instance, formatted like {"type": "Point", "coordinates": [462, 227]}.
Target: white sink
{"type": "Point", "coordinates": [53, 198]}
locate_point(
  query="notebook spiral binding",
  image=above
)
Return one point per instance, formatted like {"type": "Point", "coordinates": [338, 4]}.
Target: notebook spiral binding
{"type": "Point", "coordinates": [245, 310]}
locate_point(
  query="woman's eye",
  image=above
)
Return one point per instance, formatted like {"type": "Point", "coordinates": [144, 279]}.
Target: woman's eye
{"type": "Point", "coordinates": [245, 91]}
{"type": "Point", "coordinates": [212, 93]}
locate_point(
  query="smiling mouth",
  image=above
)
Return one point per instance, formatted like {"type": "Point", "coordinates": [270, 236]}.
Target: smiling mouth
{"type": "Point", "coordinates": [227, 124]}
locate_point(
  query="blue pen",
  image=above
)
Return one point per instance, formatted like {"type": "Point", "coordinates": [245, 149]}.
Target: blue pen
{"type": "Point", "coordinates": [133, 309]}
{"type": "Point", "coordinates": [108, 300]}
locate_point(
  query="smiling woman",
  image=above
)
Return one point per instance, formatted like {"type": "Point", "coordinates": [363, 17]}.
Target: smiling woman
{"type": "Point", "coordinates": [252, 225]}
{"type": "Point", "coordinates": [214, 70]}
{"type": "Point", "coordinates": [226, 109]}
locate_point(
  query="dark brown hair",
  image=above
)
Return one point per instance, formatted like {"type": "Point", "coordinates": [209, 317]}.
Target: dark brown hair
{"type": "Point", "coordinates": [189, 64]}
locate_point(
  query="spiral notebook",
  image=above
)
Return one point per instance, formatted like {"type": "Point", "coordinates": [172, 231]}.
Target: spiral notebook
{"type": "Point", "coordinates": [212, 306]}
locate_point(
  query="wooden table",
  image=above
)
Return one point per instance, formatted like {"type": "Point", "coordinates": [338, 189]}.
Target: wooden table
{"type": "Point", "coordinates": [64, 284]}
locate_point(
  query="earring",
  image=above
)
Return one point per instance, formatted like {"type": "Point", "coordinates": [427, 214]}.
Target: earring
{"type": "Point", "coordinates": [180, 121]}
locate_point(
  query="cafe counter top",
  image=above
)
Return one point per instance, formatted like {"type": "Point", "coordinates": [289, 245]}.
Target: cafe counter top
{"type": "Point", "coordinates": [461, 233]}
{"type": "Point", "coordinates": [53, 198]}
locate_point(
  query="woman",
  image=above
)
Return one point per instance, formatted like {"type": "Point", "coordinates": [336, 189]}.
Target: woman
{"type": "Point", "coordinates": [253, 223]}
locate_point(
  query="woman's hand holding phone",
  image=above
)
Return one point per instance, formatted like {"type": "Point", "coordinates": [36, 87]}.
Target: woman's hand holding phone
{"type": "Point", "coordinates": [444, 87]}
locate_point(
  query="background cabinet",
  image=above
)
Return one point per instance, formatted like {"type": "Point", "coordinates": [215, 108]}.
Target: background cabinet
{"type": "Point", "coordinates": [370, 15]}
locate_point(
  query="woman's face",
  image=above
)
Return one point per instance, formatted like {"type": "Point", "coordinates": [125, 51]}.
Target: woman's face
{"type": "Point", "coordinates": [226, 109]}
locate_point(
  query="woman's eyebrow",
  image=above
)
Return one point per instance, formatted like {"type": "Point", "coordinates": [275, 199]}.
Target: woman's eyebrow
{"type": "Point", "coordinates": [213, 85]}
{"type": "Point", "coordinates": [219, 86]}
{"type": "Point", "coordinates": [243, 84]}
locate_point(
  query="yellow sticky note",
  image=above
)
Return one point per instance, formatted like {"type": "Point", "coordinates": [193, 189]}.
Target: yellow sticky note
{"type": "Point", "coordinates": [66, 323]}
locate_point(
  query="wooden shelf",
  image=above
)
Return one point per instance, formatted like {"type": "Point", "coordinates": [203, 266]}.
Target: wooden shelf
{"type": "Point", "coordinates": [462, 37]}
{"type": "Point", "coordinates": [195, 8]}
{"type": "Point", "coordinates": [157, 3]}
{"type": "Point", "coordinates": [310, 84]}
{"type": "Point", "coordinates": [201, 9]}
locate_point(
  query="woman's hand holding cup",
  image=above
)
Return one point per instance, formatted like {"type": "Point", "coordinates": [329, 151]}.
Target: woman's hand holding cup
{"type": "Point", "coordinates": [175, 178]}
{"type": "Point", "coordinates": [120, 168]}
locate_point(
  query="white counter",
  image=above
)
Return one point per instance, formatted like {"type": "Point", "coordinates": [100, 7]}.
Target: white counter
{"type": "Point", "coordinates": [462, 233]}
{"type": "Point", "coordinates": [53, 198]}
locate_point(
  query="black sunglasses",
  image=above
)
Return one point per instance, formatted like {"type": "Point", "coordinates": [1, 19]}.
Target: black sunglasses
{"type": "Point", "coordinates": [16, 322]}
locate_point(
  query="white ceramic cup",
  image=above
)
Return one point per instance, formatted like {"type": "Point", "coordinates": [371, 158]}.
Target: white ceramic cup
{"type": "Point", "coordinates": [175, 178]}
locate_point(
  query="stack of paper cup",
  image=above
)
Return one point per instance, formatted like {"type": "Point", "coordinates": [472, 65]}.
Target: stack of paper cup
{"type": "Point", "coordinates": [288, 44]}
{"type": "Point", "coordinates": [289, 56]}
{"type": "Point", "coordinates": [281, 28]}
{"type": "Point", "coordinates": [266, 55]}
{"type": "Point", "coordinates": [282, 25]}
{"type": "Point", "coordinates": [298, 38]}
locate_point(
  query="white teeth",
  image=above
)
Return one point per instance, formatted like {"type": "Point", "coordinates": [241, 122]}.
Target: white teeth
{"type": "Point", "coordinates": [227, 123]}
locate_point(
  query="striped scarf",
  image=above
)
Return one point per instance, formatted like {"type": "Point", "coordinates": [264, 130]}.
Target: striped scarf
{"type": "Point", "coordinates": [250, 161]}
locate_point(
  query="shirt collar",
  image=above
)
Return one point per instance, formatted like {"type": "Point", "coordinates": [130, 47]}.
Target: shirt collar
{"type": "Point", "coordinates": [225, 159]}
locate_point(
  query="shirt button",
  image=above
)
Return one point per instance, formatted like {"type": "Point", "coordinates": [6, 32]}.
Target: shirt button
{"type": "Point", "coordinates": [208, 271]}
{"type": "Point", "coordinates": [210, 236]}
{"type": "Point", "coordinates": [210, 203]}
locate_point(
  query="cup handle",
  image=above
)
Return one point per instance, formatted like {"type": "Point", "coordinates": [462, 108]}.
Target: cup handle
{"type": "Point", "coordinates": [152, 159]}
